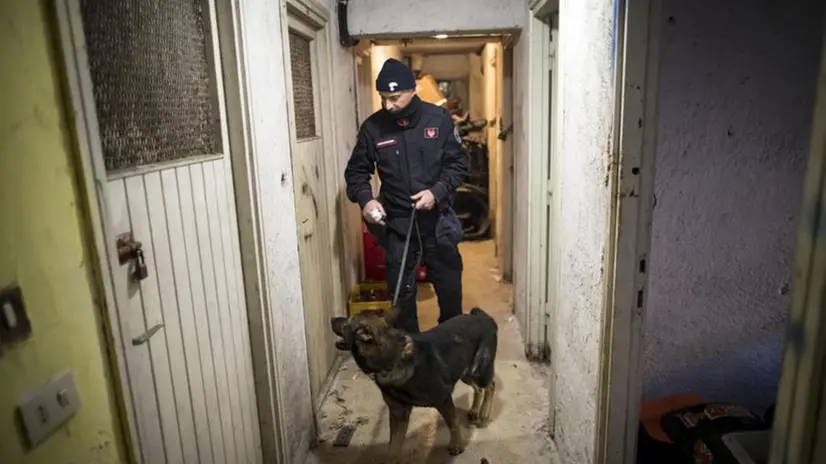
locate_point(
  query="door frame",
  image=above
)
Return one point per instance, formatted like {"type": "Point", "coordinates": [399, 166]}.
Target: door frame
{"type": "Point", "coordinates": [92, 173]}
{"type": "Point", "coordinates": [545, 143]}
{"type": "Point", "coordinates": [505, 168]}
{"type": "Point", "coordinates": [800, 416]}
{"type": "Point", "coordinates": [314, 16]}
{"type": "Point", "coordinates": [538, 317]}
{"type": "Point", "coordinates": [631, 186]}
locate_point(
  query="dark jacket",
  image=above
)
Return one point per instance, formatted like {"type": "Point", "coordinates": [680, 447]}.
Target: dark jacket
{"type": "Point", "coordinates": [426, 153]}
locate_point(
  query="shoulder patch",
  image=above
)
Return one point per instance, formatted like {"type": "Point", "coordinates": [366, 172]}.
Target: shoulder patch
{"type": "Point", "coordinates": [456, 134]}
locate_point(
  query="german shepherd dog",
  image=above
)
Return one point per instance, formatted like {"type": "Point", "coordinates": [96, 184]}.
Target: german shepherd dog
{"type": "Point", "coordinates": [422, 369]}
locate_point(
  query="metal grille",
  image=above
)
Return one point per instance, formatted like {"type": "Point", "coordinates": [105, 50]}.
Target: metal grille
{"type": "Point", "coordinates": [154, 91]}
{"type": "Point", "coordinates": [301, 59]}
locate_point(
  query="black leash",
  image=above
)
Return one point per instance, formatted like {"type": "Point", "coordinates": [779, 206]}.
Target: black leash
{"type": "Point", "coordinates": [404, 256]}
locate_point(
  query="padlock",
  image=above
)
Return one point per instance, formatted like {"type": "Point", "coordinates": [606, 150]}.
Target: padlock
{"type": "Point", "coordinates": [141, 272]}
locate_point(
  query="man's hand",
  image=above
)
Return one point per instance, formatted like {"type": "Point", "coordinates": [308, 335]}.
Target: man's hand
{"type": "Point", "coordinates": [424, 200]}
{"type": "Point", "coordinates": [367, 212]}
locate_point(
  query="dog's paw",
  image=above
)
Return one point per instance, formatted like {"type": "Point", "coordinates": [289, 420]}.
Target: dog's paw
{"type": "Point", "coordinates": [455, 449]}
{"type": "Point", "coordinates": [476, 419]}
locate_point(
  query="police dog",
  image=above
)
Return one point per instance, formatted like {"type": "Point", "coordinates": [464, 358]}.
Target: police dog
{"type": "Point", "coordinates": [422, 369]}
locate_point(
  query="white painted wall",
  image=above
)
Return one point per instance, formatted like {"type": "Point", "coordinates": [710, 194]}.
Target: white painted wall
{"type": "Point", "coordinates": [737, 85]}
{"type": "Point", "coordinates": [587, 101]}
{"type": "Point", "coordinates": [428, 17]}
{"type": "Point", "coordinates": [270, 144]}
{"type": "Point", "coordinates": [587, 80]}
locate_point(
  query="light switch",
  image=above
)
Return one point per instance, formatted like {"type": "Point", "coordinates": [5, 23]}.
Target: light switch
{"type": "Point", "coordinates": [9, 318]}
{"type": "Point", "coordinates": [45, 408]}
{"type": "Point", "coordinates": [14, 323]}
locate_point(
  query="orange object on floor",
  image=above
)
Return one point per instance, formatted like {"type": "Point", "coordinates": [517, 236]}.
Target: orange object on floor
{"type": "Point", "coordinates": [652, 411]}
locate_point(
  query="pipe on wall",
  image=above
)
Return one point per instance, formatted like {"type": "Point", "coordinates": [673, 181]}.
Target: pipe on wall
{"type": "Point", "coordinates": [344, 37]}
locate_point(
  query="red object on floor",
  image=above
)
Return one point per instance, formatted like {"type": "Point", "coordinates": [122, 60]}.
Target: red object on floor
{"type": "Point", "coordinates": [374, 267]}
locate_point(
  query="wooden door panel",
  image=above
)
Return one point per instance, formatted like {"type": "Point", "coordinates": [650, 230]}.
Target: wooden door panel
{"type": "Point", "coordinates": [172, 230]}
{"type": "Point", "coordinates": [194, 268]}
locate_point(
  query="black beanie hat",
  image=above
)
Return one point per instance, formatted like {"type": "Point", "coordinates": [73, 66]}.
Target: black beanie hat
{"type": "Point", "coordinates": [395, 76]}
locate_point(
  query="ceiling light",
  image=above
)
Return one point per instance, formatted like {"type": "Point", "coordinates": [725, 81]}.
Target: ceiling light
{"type": "Point", "coordinates": [440, 36]}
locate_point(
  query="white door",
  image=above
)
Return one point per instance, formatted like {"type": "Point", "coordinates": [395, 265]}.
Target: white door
{"type": "Point", "coordinates": [544, 191]}
{"type": "Point", "coordinates": [307, 47]}
{"type": "Point", "coordinates": [553, 206]}
{"type": "Point", "coordinates": [150, 80]}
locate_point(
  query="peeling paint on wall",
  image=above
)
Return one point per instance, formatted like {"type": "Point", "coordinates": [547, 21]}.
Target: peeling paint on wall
{"type": "Point", "coordinates": [737, 85]}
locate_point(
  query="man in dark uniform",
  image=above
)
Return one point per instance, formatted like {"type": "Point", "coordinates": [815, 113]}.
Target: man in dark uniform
{"type": "Point", "coordinates": [417, 150]}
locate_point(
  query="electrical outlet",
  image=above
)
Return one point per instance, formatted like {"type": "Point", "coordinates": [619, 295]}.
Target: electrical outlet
{"type": "Point", "coordinates": [45, 408]}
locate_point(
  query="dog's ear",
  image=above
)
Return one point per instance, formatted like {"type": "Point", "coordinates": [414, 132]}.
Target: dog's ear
{"type": "Point", "coordinates": [338, 324]}
{"type": "Point", "coordinates": [391, 315]}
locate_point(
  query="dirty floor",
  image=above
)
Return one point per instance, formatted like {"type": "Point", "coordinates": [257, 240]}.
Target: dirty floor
{"type": "Point", "coordinates": [518, 432]}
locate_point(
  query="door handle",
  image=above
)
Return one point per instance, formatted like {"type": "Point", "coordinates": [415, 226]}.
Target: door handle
{"type": "Point", "coordinates": [146, 335]}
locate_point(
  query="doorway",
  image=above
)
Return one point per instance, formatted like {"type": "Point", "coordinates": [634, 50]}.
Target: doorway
{"type": "Point", "coordinates": [158, 150]}
{"type": "Point", "coordinates": [722, 270]}
{"type": "Point", "coordinates": [470, 75]}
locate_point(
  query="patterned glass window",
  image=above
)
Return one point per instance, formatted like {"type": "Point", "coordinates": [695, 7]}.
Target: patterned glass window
{"type": "Point", "coordinates": [153, 80]}
{"type": "Point", "coordinates": [301, 59]}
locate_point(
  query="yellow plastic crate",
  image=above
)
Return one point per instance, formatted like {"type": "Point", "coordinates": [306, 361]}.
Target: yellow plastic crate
{"type": "Point", "coordinates": [354, 306]}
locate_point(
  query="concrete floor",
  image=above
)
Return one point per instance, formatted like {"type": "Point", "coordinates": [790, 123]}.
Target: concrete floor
{"type": "Point", "coordinates": [518, 432]}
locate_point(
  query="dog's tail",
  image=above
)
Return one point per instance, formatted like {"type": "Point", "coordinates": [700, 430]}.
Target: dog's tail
{"type": "Point", "coordinates": [482, 367]}
{"type": "Point", "coordinates": [483, 360]}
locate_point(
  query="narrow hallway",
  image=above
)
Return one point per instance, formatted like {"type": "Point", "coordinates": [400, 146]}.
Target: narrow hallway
{"type": "Point", "coordinates": [518, 431]}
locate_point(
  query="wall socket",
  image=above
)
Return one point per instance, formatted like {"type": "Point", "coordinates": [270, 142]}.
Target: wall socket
{"type": "Point", "coordinates": [45, 408]}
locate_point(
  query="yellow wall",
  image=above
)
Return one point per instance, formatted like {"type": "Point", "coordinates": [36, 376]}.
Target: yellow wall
{"type": "Point", "coordinates": [43, 248]}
